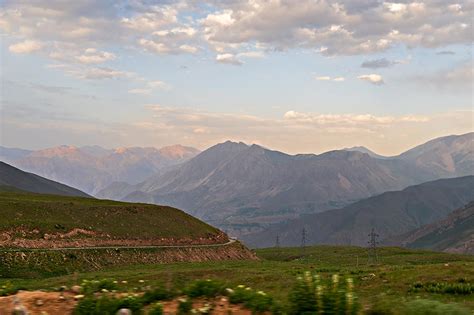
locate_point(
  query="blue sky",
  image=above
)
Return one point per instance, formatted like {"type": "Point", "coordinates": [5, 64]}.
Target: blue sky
{"type": "Point", "coordinates": [297, 76]}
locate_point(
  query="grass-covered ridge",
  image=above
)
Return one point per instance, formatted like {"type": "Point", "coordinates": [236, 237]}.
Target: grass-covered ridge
{"type": "Point", "coordinates": [36, 220]}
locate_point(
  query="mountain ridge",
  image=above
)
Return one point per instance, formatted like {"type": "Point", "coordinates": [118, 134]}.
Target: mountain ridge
{"type": "Point", "coordinates": [12, 177]}
{"type": "Point", "coordinates": [92, 168]}
{"type": "Point", "coordinates": [233, 184]}
{"type": "Point", "coordinates": [453, 233]}
{"type": "Point", "coordinates": [391, 213]}
{"type": "Point", "coordinates": [245, 188]}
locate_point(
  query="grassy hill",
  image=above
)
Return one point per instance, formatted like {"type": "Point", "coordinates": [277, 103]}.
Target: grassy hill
{"type": "Point", "coordinates": [13, 177]}
{"type": "Point", "coordinates": [36, 220]}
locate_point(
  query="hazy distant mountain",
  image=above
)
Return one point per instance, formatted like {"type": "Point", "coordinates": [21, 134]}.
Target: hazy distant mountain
{"type": "Point", "coordinates": [11, 177]}
{"type": "Point", "coordinates": [11, 154]}
{"type": "Point", "coordinates": [454, 234]}
{"type": "Point", "coordinates": [365, 150]}
{"type": "Point", "coordinates": [447, 156]}
{"type": "Point", "coordinates": [390, 214]}
{"type": "Point", "coordinates": [92, 168]}
{"type": "Point", "coordinates": [245, 188]}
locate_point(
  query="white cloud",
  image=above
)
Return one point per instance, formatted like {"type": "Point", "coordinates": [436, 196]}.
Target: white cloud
{"type": "Point", "coordinates": [93, 56]}
{"type": "Point", "coordinates": [140, 91]}
{"type": "Point", "coordinates": [342, 28]}
{"type": "Point", "coordinates": [151, 21]}
{"type": "Point", "coordinates": [345, 27]}
{"type": "Point", "coordinates": [396, 7]}
{"type": "Point", "coordinates": [372, 78]}
{"type": "Point", "coordinates": [103, 73]}
{"type": "Point", "coordinates": [152, 46]}
{"type": "Point", "coordinates": [252, 54]}
{"type": "Point", "coordinates": [25, 47]}
{"type": "Point", "coordinates": [150, 86]}
{"type": "Point", "coordinates": [175, 40]}
{"type": "Point", "coordinates": [157, 84]}
{"type": "Point", "coordinates": [295, 131]}
{"type": "Point", "coordinates": [78, 32]}
{"type": "Point", "coordinates": [228, 59]}
{"type": "Point", "coordinates": [92, 73]}
{"type": "Point", "coordinates": [161, 47]}
{"type": "Point", "coordinates": [350, 119]}
{"type": "Point", "coordinates": [188, 49]}
{"type": "Point", "coordinates": [328, 78]}
{"type": "Point", "coordinates": [323, 78]}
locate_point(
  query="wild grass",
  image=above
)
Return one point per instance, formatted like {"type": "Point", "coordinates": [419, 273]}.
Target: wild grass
{"type": "Point", "coordinates": [459, 287]}
{"type": "Point", "coordinates": [391, 280]}
{"type": "Point", "coordinates": [310, 295]}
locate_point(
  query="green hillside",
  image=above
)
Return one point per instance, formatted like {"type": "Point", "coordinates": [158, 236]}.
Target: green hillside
{"type": "Point", "coordinates": [36, 220]}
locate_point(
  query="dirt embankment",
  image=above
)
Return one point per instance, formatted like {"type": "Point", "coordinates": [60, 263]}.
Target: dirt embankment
{"type": "Point", "coordinates": [18, 263]}
{"type": "Point", "coordinates": [25, 238]}
{"type": "Point", "coordinates": [51, 303]}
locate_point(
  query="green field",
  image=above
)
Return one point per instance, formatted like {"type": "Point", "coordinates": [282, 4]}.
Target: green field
{"type": "Point", "coordinates": [390, 282]}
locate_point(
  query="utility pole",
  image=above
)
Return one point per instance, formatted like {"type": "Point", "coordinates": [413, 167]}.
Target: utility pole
{"type": "Point", "coordinates": [277, 242]}
{"type": "Point", "coordinates": [372, 251]}
{"type": "Point", "coordinates": [303, 242]}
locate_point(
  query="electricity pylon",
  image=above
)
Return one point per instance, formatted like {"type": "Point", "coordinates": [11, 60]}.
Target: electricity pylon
{"type": "Point", "coordinates": [372, 251]}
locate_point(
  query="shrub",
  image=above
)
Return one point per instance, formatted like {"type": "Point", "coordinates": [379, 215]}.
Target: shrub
{"type": "Point", "coordinates": [239, 295]}
{"type": "Point", "coordinates": [95, 306]}
{"type": "Point", "coordinates": [184, 306]}
{"type": "Point", "coordinates": [260, 302]}
{"type": "Point", "coordinates": [204, 288]}
{"type": "Point", "coordinates": [156, 309]}
{"type": "Point", "coordinates": [256, 301]}
{"type": "Point", "coordinates": [132, 303]}
{"type": "Point", "coordinates": [8, 289]}
{"type": "Point", "coordinates": [311, 296]}
{"type": "Point", "coordinates": [92, 286]}
{"type": "Point", "coordinates": [156, 294]}
{"type": "Point", "coordinates": [428, 307]}
{"type": "Point", "coordinates": [105, 305]}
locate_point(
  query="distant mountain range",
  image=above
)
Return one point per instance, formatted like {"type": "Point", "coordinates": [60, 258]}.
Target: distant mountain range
{"type": "Point", "coordinates": [454, 233]}
{"type": "Point", "coordinates": [246, 188]}
{"type": "Point", "coordinates": [390, 214]}
{"type": "Point", "coordinates": [91, 168]}
{"type": "Point", "coordinates": [12, 179]}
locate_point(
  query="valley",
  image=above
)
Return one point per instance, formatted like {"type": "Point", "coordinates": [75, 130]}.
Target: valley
{"type": "Point", "coordinates": [54, 238]}
{"type": "Point", "coordinates": [391, 214]}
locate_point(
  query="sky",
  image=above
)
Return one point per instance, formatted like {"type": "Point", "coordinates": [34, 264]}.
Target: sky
{"type": "Point", "coordinates": [300, 76]}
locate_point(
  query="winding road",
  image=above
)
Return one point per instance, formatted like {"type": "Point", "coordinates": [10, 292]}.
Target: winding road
{"type": "Point", "coordinates": [231, 241]}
